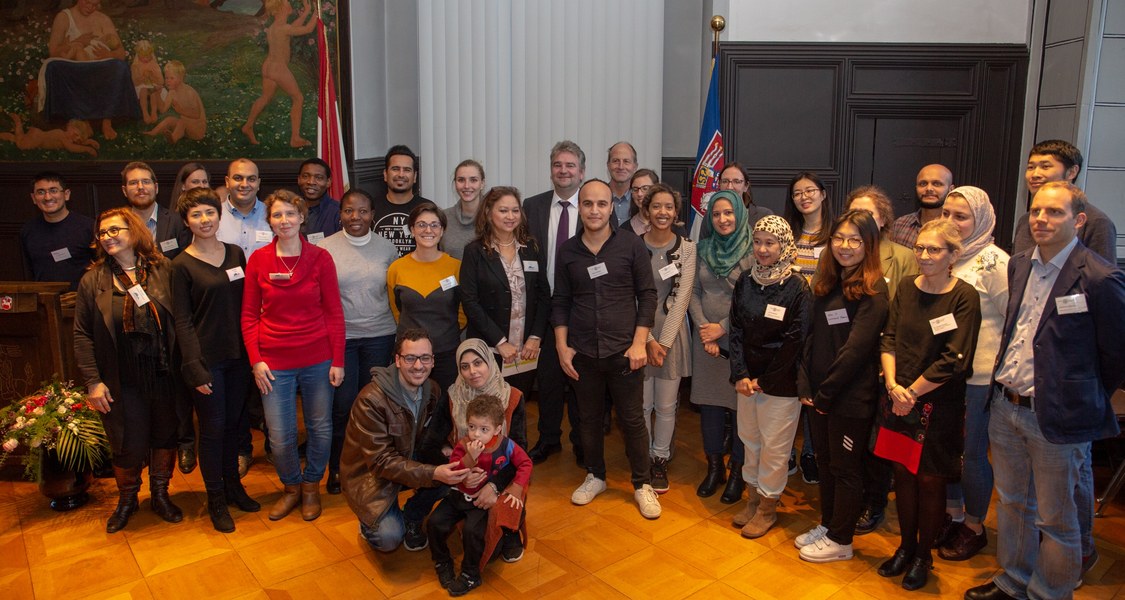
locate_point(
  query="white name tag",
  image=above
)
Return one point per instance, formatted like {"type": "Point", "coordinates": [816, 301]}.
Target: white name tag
{"type": "Point", "coordinates": [448, 283]}
{"type": "Point", "coordinates": [836, 317]}
{"type": "Point", "coordinates": [1069, 305]}
{"type": "Point", "coordinates": [235, 273]}
{"type": "Point", "coordinates": [531, 266]}
{"type": "Point", "coordinates": [263, 236]}
{"type": "Point", "coordinates": [61, 254]}
{"type": "Point", "coordinates": [777, 313]}
{"type": "Point", "coordinates": [597, 270]}
{"type": "Point", "coordinates": [280, 276]}
{"type": "Point", "coordinates": [943, 323]}
{"type": "Point", "coordinates": [816, 252]}
{"type": "Point", "coordinates": [316, 238]}
{"type": "Point", "coordinates": [668, 271]}
{"type": "Point", "coordinates": [169, 245]}
{"type": "Point", "coordinates": [139, 295]}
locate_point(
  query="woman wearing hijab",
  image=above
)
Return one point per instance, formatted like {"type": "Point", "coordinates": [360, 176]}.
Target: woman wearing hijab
{"type": "Point", "coordinates": [724, 254]}
{"type": "Point", "coordinates": [769, 316]}
{"type": "Point", "coordinates": [985, 267]}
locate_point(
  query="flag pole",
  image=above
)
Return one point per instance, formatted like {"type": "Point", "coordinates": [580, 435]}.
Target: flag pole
{"type": "Point", "coordinates": [718, 24]}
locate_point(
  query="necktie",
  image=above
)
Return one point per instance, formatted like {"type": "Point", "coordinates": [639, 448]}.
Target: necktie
{"type": "Point", "coordinates": [563, 232]}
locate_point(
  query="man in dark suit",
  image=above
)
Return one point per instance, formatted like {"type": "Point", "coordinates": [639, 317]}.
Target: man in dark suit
{"type": "Point", "coordinates": [1059, 363]}
{"type": "Point", "coordinates": [552, 218]}
{"type": "Point", "coordinates": [138, 183]}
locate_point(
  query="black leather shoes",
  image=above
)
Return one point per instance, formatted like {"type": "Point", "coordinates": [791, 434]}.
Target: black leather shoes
{"type": "Point", "coordinates": [540, 451]}
{"type": "Point", "coordinates": [333, 485]}
{"type": "Point", "coordinates": [895, 565]}
{"type": "Point", "coordinates": [964, 544]}
{"type": "Point", "coordinates": [868, 521]}
{"type": "Point", "coordinates": [917, 574]}
{"type": "Point", "coordinates": [988, 591]}
{"type": "Point", "coordinates": [186, 459]}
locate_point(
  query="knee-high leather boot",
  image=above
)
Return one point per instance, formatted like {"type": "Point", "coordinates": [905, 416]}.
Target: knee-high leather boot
{"type": "Point", "coordinates": [715, 476]}
{"type": "Point", "coordinates": [159, 473]}
{"type": "Point", "coordinates": [128, 484]}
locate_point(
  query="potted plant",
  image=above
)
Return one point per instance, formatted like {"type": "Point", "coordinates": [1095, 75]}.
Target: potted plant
{"type": "Point", "coordinates": [64, 439]}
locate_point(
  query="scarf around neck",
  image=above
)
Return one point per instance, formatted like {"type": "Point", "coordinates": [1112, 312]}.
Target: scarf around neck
{"type": "Point", "coordinates": [783, 268]}
{"type": "Point", "coordinates": [460, 393]}
{"type": "Point", "coordinates": [722, 252]}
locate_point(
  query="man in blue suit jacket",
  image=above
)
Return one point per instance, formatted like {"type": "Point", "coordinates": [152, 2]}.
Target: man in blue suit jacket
{"type": "Point", "coordinates": [1060, 361]}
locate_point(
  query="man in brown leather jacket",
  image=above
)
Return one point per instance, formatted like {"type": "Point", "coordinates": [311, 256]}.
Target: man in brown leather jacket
{"type": "Point", "coordinates": [381, 443]}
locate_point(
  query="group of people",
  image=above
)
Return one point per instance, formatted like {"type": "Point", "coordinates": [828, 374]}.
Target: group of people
{"type": "Point", "coordinates": [414, 333]}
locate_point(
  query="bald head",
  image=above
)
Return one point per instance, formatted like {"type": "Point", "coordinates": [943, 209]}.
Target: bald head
{"type": "Point", "coordinates": [932, 185]}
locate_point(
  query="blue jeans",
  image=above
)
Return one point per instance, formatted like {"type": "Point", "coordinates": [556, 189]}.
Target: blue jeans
{"type": "Point", "coordinates": [975, 487]}
{"type": "Point", "coordinates": [1039, 545]}
{"type": "Point", "coordinates": [281, 418]}
{"type": "Point", "coordinates": [1084, 499]}
{"type": "Point", "coordinates": [360, 355]}
{"type": "Point", "coordinates": [387, 533]}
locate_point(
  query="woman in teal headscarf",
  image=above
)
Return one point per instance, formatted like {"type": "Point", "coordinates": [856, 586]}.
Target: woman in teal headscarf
{"type": "Point", "coordinates": [724, 253]}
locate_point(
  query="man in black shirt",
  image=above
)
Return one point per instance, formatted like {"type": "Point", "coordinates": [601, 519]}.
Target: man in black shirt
{"type": "Point", "coordinates": [603, 308]}
{"type": "Point", "coordinates": [400, 173]}
{"type": "Point", "coordinates": [56, 246]}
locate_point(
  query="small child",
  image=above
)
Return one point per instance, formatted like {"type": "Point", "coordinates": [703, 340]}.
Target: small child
{"type": "Point", "coordinates": [76, 137]}
{"type": "Point", "coordinates": [181, 97]}
{"type": "Point", "coordinates": [147, 79]}
{"type": "Point", "coordinates": [487, 449]}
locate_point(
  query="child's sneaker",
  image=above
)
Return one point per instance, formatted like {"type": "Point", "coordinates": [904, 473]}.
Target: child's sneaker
{"type": "Point", "coordinates": [511, 549]}
{"type": "Point", "coordinates": [464, 584]}
{"type": "Point", "coordinates": [445, 574]}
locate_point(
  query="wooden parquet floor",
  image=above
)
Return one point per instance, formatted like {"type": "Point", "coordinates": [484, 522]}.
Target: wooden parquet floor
{"type": "Point", "coordinates": [603, 550]}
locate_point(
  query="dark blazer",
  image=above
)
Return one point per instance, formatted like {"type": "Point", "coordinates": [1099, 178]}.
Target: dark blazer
{"type": "Point", "coordinates": [538, 211]}
{"type": "Point", "coordinates": [487, 298]}
{"type": "Point", "coordinates": [1078, 356]}
{"type": "Point", "coordinates": [169, 225]}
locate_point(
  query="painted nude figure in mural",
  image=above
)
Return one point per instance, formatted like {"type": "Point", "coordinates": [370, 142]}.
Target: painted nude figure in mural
{"type": "Point", "coordinates": [84, 33]}
{"type": "Point", "coordinates": [75, 137]}
{"type": "Point", "coordinates": [190, 119]}
{"type": "Point", "coordinates": [275, 69]}
{"type": "Point", "coordinates": [147, 79]}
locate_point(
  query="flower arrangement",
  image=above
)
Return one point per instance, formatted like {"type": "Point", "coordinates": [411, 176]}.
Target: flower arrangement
{"type": "Point", "coordinates": [55, 417]}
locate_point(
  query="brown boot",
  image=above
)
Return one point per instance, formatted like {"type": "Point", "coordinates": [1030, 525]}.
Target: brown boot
{"type": "Point", "coordinates": [743, 517]}
{"type": "Point", "coordinates": [310, 500]}
{"type": "Point", "coordinates": [161, 463]}
{"type": "Point", "coordinates": [289, 500]}
{"type": "Point", "coordinates": [763, 519]}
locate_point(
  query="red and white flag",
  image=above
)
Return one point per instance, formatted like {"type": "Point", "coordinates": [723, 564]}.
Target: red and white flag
{"type": "Point", "coordinates": [330, 143]}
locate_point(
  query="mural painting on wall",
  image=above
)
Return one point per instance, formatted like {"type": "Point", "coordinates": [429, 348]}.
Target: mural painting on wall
{"type": "Point", "coordinates": [159, 79]}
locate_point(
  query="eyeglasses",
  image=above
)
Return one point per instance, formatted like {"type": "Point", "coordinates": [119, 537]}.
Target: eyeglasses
{"type": "Point", "coordinates": [48, 192]}
{"type": "Point", "coordinates": [410, 359]}
{"type": "Point", "coordinates": [732, 181]}
{"type": "Point", "coordinates": [809, 192]}
{"type": "Point", "coordinates": [843, 242]}
{"type": "Point", "coordinates": [138, 182]}
{"type": "Point", "coordinates": [931, 250]}
{"type": "Point", "coordinates": [435, 225]}
{"type": "Point", "coordinates": [641, 189]}
{"type": "Point", "coordinates": [112, 232]}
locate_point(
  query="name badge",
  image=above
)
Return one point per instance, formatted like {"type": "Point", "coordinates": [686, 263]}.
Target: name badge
{"type": "Point", "coordinates": [280, 276]}
{"type": "Point", "coordinates": [316, 238]}
{"type": "Point", "coordinates": [61, 254]}
{"type": "Point", "coordinates": [836, 317]}
{"type": "Point", "coordinates": [265, 236]}
{"type": "Point", "coordinates": [531, 266]}
{"type": "Point", "coordinates": [139, 295]}
{"type": "Point", "coordinates": [943, 323]}
{"type": "Point", "coordinates": [448, 283]}
{"type": "Point", "coordinates": [1069, 305]}
{"type": "Point", "coordinates": [235, 273]}
{"type": "Point", "coordinates": [816, 252]}
{"type": "Point", "coordinates": [597, 270]}
{"type": "Point", "coordinates": [169, 245]}
{"type": "Point", "coordinates": [777, 313]}
{"type": "Point", "coordinates": [668, 271]}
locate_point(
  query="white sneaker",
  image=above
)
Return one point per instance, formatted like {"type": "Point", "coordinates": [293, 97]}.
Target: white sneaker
{"type": "Point", "coordinates": [810, 536]}
{"type": "Point", "coordinates": [647, 502]}
{"type": "Point", "coordinates": [589, 490]}
{"type": "Point", "coordinates": [825, 550]}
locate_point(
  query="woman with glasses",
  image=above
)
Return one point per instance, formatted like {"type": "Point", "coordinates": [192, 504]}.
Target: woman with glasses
{"type": "Point", "coordinates": [896, 259]}
{"type": "Point", "coordinates": [504, 289]}
{"type": "Point", "coordinates": [361, 258]}
{"type": "Point", "coordinates": [123, 339]}
{"type": "Point", "coordinates": [724, 253]}
{"type": "Point", "coordinates": [669, 349]}
{"type": "Point", "coordinates": [839, 378]}
{"type": "Point", "coordinates": [985, 267]}
{"type": "Point", "coordinates": [425, 292]}
{"type": "Point", "coordinates": [642, 182]}
{"type": "Point", "coordinates": [293, 326]}
{"type": "Point", "coordinates": [769, 316]}
{"type": "Point", "coordinates": [810, 215]}
{"type": "Point", "coordinates": [461, 218]}
{"type": "Point", "coordinates": [927, 355]}
{"type": "Point", "coordinates": [736, 178]}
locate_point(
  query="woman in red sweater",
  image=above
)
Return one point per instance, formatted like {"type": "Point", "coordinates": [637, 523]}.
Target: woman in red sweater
{"type": "Point", "coordinates": [293, 326]}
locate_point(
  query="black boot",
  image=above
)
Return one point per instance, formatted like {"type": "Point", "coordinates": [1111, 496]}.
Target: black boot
{"type": "Point", "coordinates": [715, 476]}
{"type": "Point", "coordinates": [159, 473]}
{"type": "Point", "coordinates": [735, 484]}
{"type": "Point", "coordinates": [128, 484]}
{"type": "Point", "coordinates": [236, 494]}
{"type": "Point", "coordinates": [217, 508]}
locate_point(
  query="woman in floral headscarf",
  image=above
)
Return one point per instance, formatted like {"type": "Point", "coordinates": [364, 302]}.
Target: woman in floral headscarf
{"type": "Point", "coordinates": [769, 316]}
{"type": "Point", "coordinates": [985, 267]}
{"type": "Point", "coordinates": [724, 253]}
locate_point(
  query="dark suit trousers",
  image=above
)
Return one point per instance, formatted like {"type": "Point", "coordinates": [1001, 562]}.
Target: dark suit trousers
{"type": "Point", "coordinates": [596, 377]}
{"type": "Point", "coordinates": [555, 393]}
